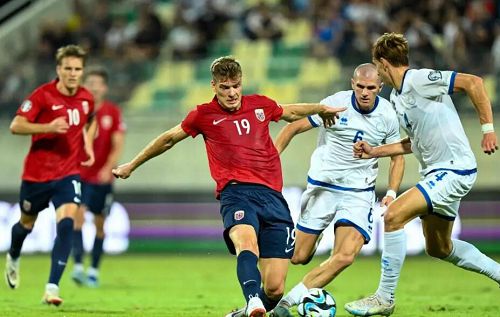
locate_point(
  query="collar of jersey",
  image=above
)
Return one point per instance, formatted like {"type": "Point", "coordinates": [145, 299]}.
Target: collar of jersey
{"type": "Point", "coordinates": [355, 105]}
{"type": "Point", "coordinates": [402, 82]}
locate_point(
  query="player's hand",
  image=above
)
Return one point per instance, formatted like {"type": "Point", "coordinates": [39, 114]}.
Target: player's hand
{"type": "Point", "coordinates": [362, 149]}
{"type": "Point", "coordinates": [489, 143]}
{"type": "Point", "coordinates": [329, 114]}
{"type": "Point", "coordinates": [59, 125]}
{"type": "Point", "coordinates": [123, 171]}
{"type": "Point", "coordinates": [386, 201]}
{"type": "Point", "coordinates": [90, 156]}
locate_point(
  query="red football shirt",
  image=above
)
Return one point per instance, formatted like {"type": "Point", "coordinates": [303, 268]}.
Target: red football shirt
{"type": "Point", "coordinates": [54, 156]}
{"type": "Point", "coordinates": [109, 120]}
{"type": "Point", "coordinates": [239, 147]}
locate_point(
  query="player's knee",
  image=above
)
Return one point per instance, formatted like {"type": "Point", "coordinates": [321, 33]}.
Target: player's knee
{"type": "Point", "coordinates": [300, 257]}
{"type": "Point", "coordinates": [391, 220]}
{"type": "Point", "coordinates": [274, 290]}
{"type": "Point", "coordinates": [341, 260]}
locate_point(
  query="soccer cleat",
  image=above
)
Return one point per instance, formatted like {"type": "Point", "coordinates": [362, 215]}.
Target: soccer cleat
{"type": "Point", "coordinates": [51, 296]}
{"type": "Point", "coordinates": [92, 281]}
{"type": "Point", "coordinates": [78, 276]}
{"type": "Point", "coordinates": [12, 272]}
{"type": "Point", "coordinates": [255, 308]}
{"type": "Point", "coordinates": [369, 306]}
{"type": "Point", "coordinates": [237, 313]}
{"type": "Point", "coordinates": [280, 311]}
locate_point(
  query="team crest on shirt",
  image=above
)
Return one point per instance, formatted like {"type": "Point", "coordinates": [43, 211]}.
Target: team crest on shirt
{"type": "Point", "coordinates": [259, 113]}
{"type": "Point", "coordinates": [238, 215]}
{"type": "Point", "coordinates": [26, 106]}
{"type": "Point", "coordinates": [106, 122]}
{"type": "Point", "coordinates": [435, 75]}
{"type": "Point", "coordinates": [26, 205]}
{"type": "Point", "coordinates": [85, 106]}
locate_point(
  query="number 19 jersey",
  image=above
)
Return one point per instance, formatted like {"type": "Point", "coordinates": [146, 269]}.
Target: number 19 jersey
{"type": "Point", "coordinates": [238, 144]}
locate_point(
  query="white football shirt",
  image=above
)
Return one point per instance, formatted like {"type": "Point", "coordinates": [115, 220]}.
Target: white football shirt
{"type": "Point", "coordinates": [427, 114]}
{"type": "Point", "coordinates": [332, 162]}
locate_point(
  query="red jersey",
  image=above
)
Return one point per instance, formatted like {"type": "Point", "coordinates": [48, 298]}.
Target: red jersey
{"type": "Point", "coordinates": [239, 147]}
{"type": "Point", "coordinates": [53, 156]}
{"type": "Point", "coordinates": [109, 120]}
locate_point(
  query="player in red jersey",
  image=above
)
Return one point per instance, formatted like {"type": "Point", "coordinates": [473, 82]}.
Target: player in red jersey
{"type": "Point", "coordinates": [97, 195]}
{"type": "Point", "coordinates": [58, 116]}
{"type": "Point", "coordinates": [247, 169]}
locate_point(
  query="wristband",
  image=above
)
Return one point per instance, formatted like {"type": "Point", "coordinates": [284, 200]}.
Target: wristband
{"type": "Point", "coordinates": [487, 128]}
{"type": "Point", "coordinates": [391, 193]}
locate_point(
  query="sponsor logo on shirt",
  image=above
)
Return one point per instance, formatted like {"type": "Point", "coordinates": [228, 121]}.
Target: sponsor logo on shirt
{"type": "Point", "coordinates": [238, 215]}
{"type": "Point", "coordinates": [26, 106]}
{"type": "Point", "coordinates": [57, 107]}
{"type": "Point", "coordinates": [343, 121]}
{"type": "Point", "coordinates": [259, 113]}
{"type": "Point", "coordinates": [216, 122]}
{"type": "Point", "coordinates": [435, 75]}
{"type": "Point", "coordinates": [106, 122]}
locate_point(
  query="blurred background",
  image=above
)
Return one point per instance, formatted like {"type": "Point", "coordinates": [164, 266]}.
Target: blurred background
{"type": "Point", "coordinates": [158, 54]}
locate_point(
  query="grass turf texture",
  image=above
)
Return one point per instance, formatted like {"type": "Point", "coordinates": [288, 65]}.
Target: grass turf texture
{"type": "Point", "coordinates": [206, 285]}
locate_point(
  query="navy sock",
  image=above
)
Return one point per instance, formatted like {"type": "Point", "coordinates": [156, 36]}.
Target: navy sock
{"type": "Point", "coordinates": [61, 250]}
{"type": "Point", "coordinates": [18, 235]}
{"type": "Point", "coordinates": [248, 274]}
{"type": "Point", "coordinates": [269, 303]}
{"type": "Point", "coordinates": [97, 252]}
{"type": "Point", "coordinates": [77, 246]}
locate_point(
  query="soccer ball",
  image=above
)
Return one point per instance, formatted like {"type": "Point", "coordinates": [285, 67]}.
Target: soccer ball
{"type": "Point", "coordinates": [317, 303]}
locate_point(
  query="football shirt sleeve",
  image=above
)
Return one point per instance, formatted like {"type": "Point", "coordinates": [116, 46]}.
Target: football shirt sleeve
{"type": "Point", "coordinates": [433, 83]}
{"type": "Point", "coordinates": [189, 124]}
{"type": "Point", "coordinates": [31, 107]}
{"type": "Point", "coordinates": [275, 109]}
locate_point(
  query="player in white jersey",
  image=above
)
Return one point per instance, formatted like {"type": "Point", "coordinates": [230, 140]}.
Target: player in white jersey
{"type": "Point", "coordinates": [340, 187]}
{"type": "Point", "coordinates": [448, 167]}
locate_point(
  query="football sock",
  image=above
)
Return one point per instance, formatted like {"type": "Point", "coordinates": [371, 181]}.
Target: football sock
{"type": "Point", "coordinates": [18, 234]}
{"type": "Point", "coordinates": [77, 246]}
{"type": "Point", "coordinates": [392, 260]}
{"type": "Point", "coordinates": [97, 252]}
{"type": "Point", "coordinates": [269, 303]}
{"type": "Point", "coordinates": [248, 274]}
{"type": "Point", "coordinates": [468, 257]}
{"type": "Point", "coordinates": [294, 295]}
{"type": "Point", "coordinates": [61, 250]}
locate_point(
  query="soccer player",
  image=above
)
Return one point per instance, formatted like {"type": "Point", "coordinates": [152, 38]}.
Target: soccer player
{"type": "Point", "coordinates": [97, 195]}
{"type": "Point", "coordinates": [340, 188]}
{"type": "Point", "coordinates": [56, 115]}
{"type": "Point", "coordinates": [447, 165]}
{"type": "Point", "coordinates": [246, 167]}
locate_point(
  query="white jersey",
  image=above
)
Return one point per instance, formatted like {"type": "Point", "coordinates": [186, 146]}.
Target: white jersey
{"type": "Point", "coordinates": [332, 163]}
{"type": "Point", "coordinates": [427, 114]}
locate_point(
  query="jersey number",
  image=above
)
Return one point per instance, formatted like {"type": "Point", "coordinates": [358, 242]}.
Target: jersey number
{"type": "Point", "coordinates": [77, 186]}
{"type": "Point", "coordinates": [358, 136]}
{"type": "Point", "coordinates": [243, 126]}
{"type": "Point", "coordinates": [73, 117]}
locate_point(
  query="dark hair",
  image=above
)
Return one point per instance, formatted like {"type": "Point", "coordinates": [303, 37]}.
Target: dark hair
{"type": "Point", "coordinates": [393, 47]}
{"type": "Point", "coordinates": [97, 71]}
{"type": "Point", "coordinates": [226, 67]}
{"type": "Point", "coordinates": [70, 50]}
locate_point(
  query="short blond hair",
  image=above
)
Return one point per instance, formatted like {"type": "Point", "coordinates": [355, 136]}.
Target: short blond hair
{"type": "Point", "coordinates": [393, 47]}
{"type": "Point", "coordinates": [70, 50]}
{"type": "Point", "coordinates": [226, 67]}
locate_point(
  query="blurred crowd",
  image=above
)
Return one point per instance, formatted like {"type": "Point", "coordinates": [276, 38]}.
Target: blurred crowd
{"type": "Point", "coordinates": [129, 35]}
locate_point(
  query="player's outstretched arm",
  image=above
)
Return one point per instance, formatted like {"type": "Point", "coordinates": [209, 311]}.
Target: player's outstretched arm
{"type": "Point", "coordinates": [21, 125]}
{"type": "Point", "coordinates": [474, 88]}
{"type": "Point", "coordinates": [162, 143]}
{"type": "Point", "coordinates": [362, 149]}
{"type": "Point", "coordinates": [396, 171]}
{"type": "Point", "coordinates": [293, 112]}
{"type": "Point", "coordinates": [89, 137]}
{"type": "Point", "coordinates": [289, 131]}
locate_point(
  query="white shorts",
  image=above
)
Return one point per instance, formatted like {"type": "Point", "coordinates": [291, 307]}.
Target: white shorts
{"type": "Point", "coordinates": [443, 190]}
{"type": "Point", "coordinates": [320, 206]}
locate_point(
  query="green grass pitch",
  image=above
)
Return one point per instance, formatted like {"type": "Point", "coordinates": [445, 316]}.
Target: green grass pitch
{"type": "Point", "coordinates": [206, 285]}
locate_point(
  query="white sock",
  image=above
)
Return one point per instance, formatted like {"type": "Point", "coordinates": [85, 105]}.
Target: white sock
{"type": "Point", "coordinates": [91, 271]}
{"type": "Point", "coordinates": [294, 296]}
{"type": "Point", "coordinates": [78, 267]}
{"type": "Point", "coordinates": [51, 288]}
{"type": "Point", "coordinates": [468, 257]}
{"type": "Point", "coordinates": [392, 260]}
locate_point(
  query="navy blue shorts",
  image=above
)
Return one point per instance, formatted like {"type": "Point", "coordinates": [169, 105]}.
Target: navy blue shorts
{"type": "Point", "coordinates": [35, 196]}
{"type": "Point", "coordinates": [264, 209]}
{"type": "Point", "coordinates": [97, 197]}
